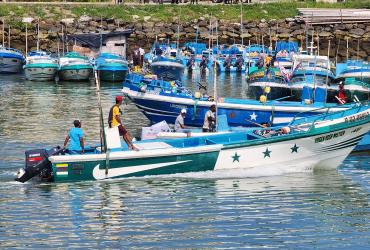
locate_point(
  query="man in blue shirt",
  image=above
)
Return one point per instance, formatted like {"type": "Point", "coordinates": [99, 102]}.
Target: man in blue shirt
{"type": "Point", "coordinates": [75, 136]}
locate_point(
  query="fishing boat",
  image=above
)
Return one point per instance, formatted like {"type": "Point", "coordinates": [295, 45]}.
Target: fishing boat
{"type": "Point", "coordinates": [74, 67]}
{"type": "Point", "coordinates": [111, 67]}
{"type": "Point", "coordinates": [40, 66]}
{"type": "Point", "coordinates": [11, 60]}
{"type": "Point", "coordinates": [322, 141]}
{"type": "Point", "coordinates": [162, 100]}
{"type": "Point", "coordinates": [284, 51]}
{"type": "Point", "coordinates": [168, 66]}
{"type": "Point", "coordinates": [355, 75]}
{"type": "Point", "coordinates": [268, 82]}
{"type": "Point", "coordinates": [313, 71]}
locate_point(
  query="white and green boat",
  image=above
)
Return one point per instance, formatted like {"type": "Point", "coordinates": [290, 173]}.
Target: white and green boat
{"type": "Point", "coordinates": [40, 66]}
{"type": "Point", "coordinates": [321, 141]}
{"type": "Point", "coordinates": [75, 67]}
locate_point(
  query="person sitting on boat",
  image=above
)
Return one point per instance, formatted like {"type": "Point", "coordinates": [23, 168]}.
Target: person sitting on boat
{"type": "Point", "coordinates": [75, 138]}
{"type": "Point", "coordinates": [114, 120]}
{"type": "Point", "coordinates": [209, 124]}
{"type": "Point", "coordinates": [342, 97]}
{"type": "Point", "coordinates": [179, 123]}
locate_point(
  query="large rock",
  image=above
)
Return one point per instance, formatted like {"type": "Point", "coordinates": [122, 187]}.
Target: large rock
{"type": "Point", "coordinates": [85, 18]}
{"type": "Point", "coordinates": [357, 32]}
{"type": "Point", "coordinates": [325, 34]}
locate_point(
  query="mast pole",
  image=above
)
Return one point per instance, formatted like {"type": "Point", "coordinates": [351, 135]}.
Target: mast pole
{"type": "Point", "coordinates": [215, 79]}
{"type": "Point", "coordinates": [3, 32]}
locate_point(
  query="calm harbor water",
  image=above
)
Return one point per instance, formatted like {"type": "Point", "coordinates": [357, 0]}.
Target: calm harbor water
{"type": "Point", "coordinates": [233, 209]}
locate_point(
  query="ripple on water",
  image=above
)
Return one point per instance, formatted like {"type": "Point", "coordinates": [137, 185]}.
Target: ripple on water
{"type": "Point", "coordinates": [232, 209]}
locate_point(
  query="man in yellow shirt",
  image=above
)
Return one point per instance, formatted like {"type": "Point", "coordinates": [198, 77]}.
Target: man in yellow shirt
{"type": "Point", "coordinates": [114, 120]}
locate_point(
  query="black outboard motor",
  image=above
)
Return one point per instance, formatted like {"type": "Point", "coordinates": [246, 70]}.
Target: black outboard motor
{"type": "Point", "coordinates": [38, 164]}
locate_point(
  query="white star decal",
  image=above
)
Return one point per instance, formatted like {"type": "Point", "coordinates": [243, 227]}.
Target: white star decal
{"type": "Point", "coordinates": [253, 116]}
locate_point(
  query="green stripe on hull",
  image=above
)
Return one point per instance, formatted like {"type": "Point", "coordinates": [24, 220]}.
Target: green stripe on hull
{"type": "Point", "coordinates": [84, 171]}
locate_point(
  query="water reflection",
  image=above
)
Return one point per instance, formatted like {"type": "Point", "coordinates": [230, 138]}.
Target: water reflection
{"type": "Point", "coordinates": [283, 211]}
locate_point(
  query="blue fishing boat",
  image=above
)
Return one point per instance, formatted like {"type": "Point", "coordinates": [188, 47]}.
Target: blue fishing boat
{"type": "Point", "coordinates": [168, 66]}
{"type": "Point", "coordinates": [40, 66]}
{"type": "Point", "coordinates": [111, 67]}
{"type": "Point", "coordinates": [162, 100]}
{"type": "Point", "coordinates": [11, 60]}
{"type": "Point", "coordinates": [284, 51]}
{"type": "Point", "coordinates": [315, 72]}
{"type": "Point", "coordinates": [355, 75]}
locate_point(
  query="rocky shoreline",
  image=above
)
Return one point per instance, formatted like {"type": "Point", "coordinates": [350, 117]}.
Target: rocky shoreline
{"type": "Point", "coordinates": [145, 32]}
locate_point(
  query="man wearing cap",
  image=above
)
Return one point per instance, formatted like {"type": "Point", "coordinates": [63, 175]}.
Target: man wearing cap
{"type": "Point", "coordinates": [114, 120]}
{"type": "Point", "coordinates": [179, 123]}
{"type": "Point", "coordinates": [76, 139]}
{"type": "Point", "coordinates": [209, 124]}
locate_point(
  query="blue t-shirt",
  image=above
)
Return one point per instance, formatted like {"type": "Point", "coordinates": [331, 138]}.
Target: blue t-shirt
{"type": "Point", "coordinates": [75, 134]}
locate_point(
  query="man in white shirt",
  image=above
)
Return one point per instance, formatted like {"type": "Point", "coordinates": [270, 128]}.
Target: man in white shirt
{"type": "Point", "coordinates": [209, 124]}
{"type": "Point", "coordinates": [179, 123]}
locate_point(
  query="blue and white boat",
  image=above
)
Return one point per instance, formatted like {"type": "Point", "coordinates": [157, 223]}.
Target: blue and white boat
{"type": "Point", "coordinates": [168, 66]}
{"type": "Point", "coordinates": [284, 51]}
{"type": "Point", "coordinates": [313, 71]}
{"type": "Point", "coordinates": [111, 67]}
{"type": "Point", "coordinates": [40, 66]}
{"type": "Point", "coordinates": [11, 60]}
{"type": "Point", "coordinates": [355, 75]}
{"type": "Point", "coordinates": [161, 100]}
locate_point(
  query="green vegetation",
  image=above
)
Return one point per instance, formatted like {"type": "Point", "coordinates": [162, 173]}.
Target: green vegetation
{"type": "Point", "coordinates": [167, 12]}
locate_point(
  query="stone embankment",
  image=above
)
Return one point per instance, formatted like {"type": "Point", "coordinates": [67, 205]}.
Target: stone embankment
{"type": "Point", "coordinates": [145, 33]}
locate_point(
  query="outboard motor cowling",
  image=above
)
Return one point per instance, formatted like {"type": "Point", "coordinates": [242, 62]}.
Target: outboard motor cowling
{"type": "Point", "coordinates": [38, 164]}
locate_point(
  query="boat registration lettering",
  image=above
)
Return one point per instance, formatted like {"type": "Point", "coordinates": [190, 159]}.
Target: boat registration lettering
{"type": "Point", "coordinates": [329, 136]}
{"type": "Point", "coordinates": [357, 117]}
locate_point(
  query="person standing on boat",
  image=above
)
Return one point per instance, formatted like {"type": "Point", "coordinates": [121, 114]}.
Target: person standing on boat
{"type": "Point", "coordinates": [342, 97]}
{"type": "Point", "coordinates": [75, 138]}
{"type": "Point", "coordinates": [114, 120]}
{"type": "Point", "coordinates": [179, 123]}
{"type": "Point", "coordinates": [136, 58]}
{"type": "Point", "coordinates": [209, 124]}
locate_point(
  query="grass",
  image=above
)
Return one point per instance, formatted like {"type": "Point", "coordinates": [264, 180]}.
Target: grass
{"type": "Point", "coordinates": [170, 13]}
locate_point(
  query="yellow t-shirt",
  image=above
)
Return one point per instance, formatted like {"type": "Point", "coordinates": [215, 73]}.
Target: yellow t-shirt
{"type": "Point", "coordinates": [115, 113]}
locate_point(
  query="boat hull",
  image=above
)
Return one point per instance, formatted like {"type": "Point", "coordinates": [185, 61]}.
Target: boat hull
{"type": "Point", "coordinates": [10, 65]}
{"type": "Point", "coordinates": [40, 73]}
{"type": "Point", "coordinates": [120, 165]}
{"type": "Point", "coordinates": [277, 90]}
{"type": "Point", "coordinates": [75, 74]}
{"type": "Point", "coordinates": [158, 108]}
{"type": "Point", "coordinates": [168, 70]}
{"type": "Point", "coordinates": [112, 75]}
{"type": "Point", "coordinates": [324, 151]}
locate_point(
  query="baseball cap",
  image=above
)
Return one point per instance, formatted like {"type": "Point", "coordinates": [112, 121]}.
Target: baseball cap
{"type": "Point", "coordinates": [183, 111]}
{"type": "Point", "coordinates": [119, 98]}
